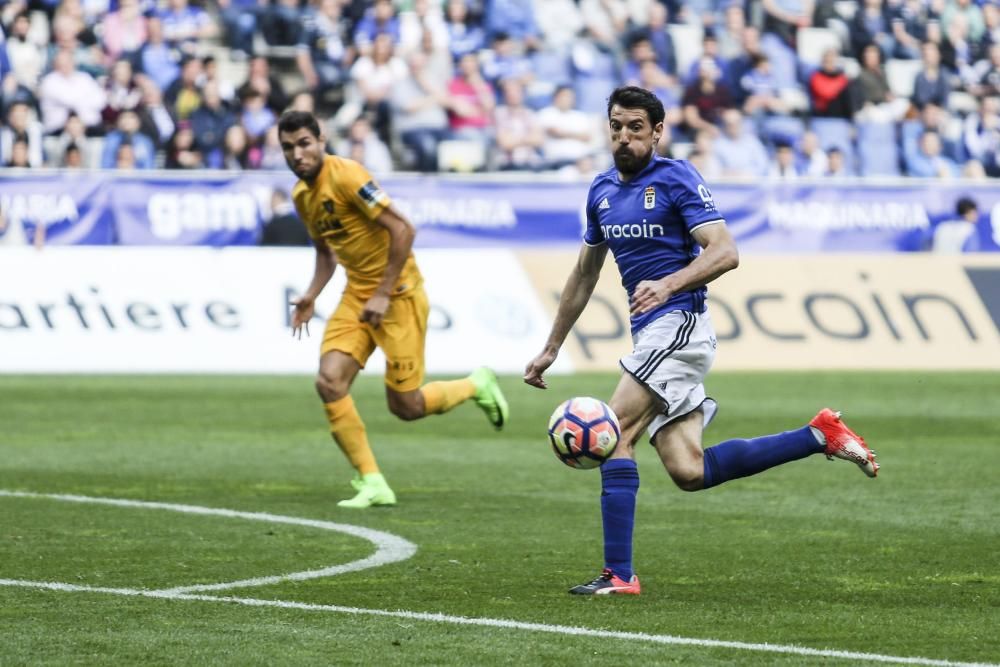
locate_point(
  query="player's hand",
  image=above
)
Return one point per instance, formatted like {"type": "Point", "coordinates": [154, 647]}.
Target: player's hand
{"type": "Point", "coordinates": [537, 366]}
{"type": "Point", "coordinates": [375, 309]}
{"type": "Point", "coordinates": [302, 311]}
{"type": "Point", "coordinates": [648, 295]}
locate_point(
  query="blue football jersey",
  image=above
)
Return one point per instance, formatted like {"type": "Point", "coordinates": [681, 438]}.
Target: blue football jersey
{"type": "Point", "coordinates": [647, 224]}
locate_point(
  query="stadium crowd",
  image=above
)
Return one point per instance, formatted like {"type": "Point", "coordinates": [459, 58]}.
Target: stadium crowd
{"type": "Point", "coordinates": [754, 88]}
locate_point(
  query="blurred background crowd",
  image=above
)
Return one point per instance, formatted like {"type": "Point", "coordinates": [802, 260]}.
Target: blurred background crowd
{"type": "Point", "coordinates": [752, 88]}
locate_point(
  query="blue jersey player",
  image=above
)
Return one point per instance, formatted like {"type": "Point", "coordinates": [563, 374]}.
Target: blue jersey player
{"type": "Point", "coordinates": [658, 219]}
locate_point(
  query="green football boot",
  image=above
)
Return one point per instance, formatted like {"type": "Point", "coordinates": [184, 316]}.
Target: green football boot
{"type": "Point", "coordinates": [489, 397]}
{"type": "Point", "coordinates": [373, 491]}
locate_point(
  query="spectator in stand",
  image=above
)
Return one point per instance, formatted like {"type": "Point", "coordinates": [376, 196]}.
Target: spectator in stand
{"type": "Point", "coordinates": [156, 59]}
{"type": "Point", "coordinates": [470, 102]}
{"type": "Point", "coordinates": [123, 32]}
{"type": "Point", "coordinates": [836, 164]}
{"type": "Point", "coordinates": [74, 134]}
{"type": "Point", "coordinates": [372, 80]}
{"type": "Point", "coordinates": [605, 22]}
{"type": "Point", "coordinates": [66, 89]}
{"type": "Point", "coordinates": [271, 156]}
{"type": "Point", "coordinates": [569, 132]}
{"type": "Point", "coordinates": [284, 228]}
{"type": "Point", "coordinates": [27, 57]}
{"type": "Point", "coordinates": [813, 160]}
{"type": "Point", "coordinates": [519, 131]}
{"type": "Point", "coordinates": [261, 79]}
{"type": "Point", "coordinates": [280, 24]}
{"type": "Point", "coordinates": [182, 152]}
{"type": "Point", "coordinates": [438, 65]}
{"type": "Point", "coordinates": [559, 21]}
{"type": "Point", "coordinates": [515, 18]}
{"type": "Point", "coordinates": [419, 116]}
{"type": "Point", "coordinates": [740, 153]}
{"type": "Point", "coordinates": [209, 123]}
{"type": "Point", "coordinates": [72, 158]}
{"type": "Point", "coordinates": [759, 90]}
{"type": "Point", "coordinates": [381, 19]}
{"type": "Point", "coordinates": [969, 12]}
{"type": "Point", "coordinates": [255, 116]}
{"type": "Point", "coordinates": [68, 32]}
{"type": "Point", "coordinates": [991, 19]}
{"type": "Point", "coordinates": [830, 90]}
{"type": "Point", "coordinates": [989, 74]}
{"type": "Point", "coordinates": [660, 39]}
{"type": "Point", "coordinates": [376, 155]}
{"type": "Point", "coordinates": [323, 53]}
{"type": "Point", "coordinates": [703, 156]}
{"type": "Point", "coordinates": [184, 94]}
{"type": "Point", "coordinates": [123, 93]}
{"type": "Point", "coordinates": [154, 118]}
{"type": "Point", "coordinates": [730, 33]}
{"type": "Point", "coordinates": [743, 63]}
{"type": "Point", "coordinates": [22, 126]}
{"type": "Point", "coordinates": [424, 16]}
{"type": "Point", "coordinates": [184, 25]}
{"type": "Point", "coordinates": [950, 236]}
{"type": "Point", "coordinates": [238, 152]}
{"type": "Point", "coordinates": [871, 25]}
{"type": "Point", "coordinates": [303, 101]}
{"type": "Point", "coordinates": [705, 99]}
{"type": "Point", "coordinates": [464, 35]}
{"type": "Point", "coordinates": [928, 162]}
{"type": "Point", "coordinates": [709, 49]}
{"type": "Point", "coordinates": [784, 18]}
{"type": "Point", "coordinates": [981, 135]}
{"type": "Point", "coordinates": [873, 87]}
{"type": "Point", "coordinates": [783, 165]}
{"type": "Point", "coordinates": [932, 84]}
{"type": "Point", "coordinates": [240, 18]}
{"type": "Point", "coordinates": [652, 78]}
{"type": "Point", "coordinates": [127, 132]}
{"type": "Point", "coordinates": [18, 157]}
{"type": "Point", "coordinates": [508, 62]}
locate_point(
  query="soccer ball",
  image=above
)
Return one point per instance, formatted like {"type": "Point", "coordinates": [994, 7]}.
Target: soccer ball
{"type": "Point", "coordinates": [583, 432]}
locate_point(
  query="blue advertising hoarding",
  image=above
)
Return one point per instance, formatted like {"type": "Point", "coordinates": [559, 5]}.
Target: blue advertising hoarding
{"type": "Point", "coordinates": [208, 208]}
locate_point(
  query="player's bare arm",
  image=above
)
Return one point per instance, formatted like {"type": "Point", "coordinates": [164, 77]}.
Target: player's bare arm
{"type": "Point", "coordinates": [719, 255]}
{"type": "Point", "coordinates": [401, 235]}
{"type": "Point", "coordinates": [575, 296]}
{"type": "Point", "coordinates": [305, 305]}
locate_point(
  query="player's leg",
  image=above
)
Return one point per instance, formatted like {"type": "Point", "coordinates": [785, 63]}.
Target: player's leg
{"type": "Point", "coordinates": [402, 337]}
{"type": "Point", "coordinates": [635, 408]}
{"type": "Point", "coordinates": [346, 347]}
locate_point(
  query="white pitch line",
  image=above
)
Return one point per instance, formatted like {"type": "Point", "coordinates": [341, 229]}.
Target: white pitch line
{"type": "Point", "coordinates": [508, 624]}
{"type": "Point", "coordinates": [389, 548]}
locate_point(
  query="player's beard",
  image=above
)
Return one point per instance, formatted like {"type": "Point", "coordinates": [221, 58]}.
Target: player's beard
{"type": "Point", "coordinates": [628, 164]}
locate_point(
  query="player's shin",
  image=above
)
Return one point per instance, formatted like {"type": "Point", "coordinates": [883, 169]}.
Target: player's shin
{"type": "Point", "coordinates": [442, 396]}
{"type": "Point", "coordinates": [619, 486]}
{"type": "Point", "coordinates": [741, 458]}
{"type": "Point", "coordinates": [349, 432]}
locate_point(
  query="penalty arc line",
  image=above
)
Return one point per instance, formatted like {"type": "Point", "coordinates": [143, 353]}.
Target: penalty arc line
{"type": "Point", "coordinates": [506, 624]}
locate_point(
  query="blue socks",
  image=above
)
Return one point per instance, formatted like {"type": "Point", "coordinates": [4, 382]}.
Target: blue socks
{"type": "Point", "coordinates": [619, 486]}
{"type": "Point", "coordinates": [741, 458]}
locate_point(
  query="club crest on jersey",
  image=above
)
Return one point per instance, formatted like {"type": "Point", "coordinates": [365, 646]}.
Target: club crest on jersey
{"type": "Point", "coordinates": [328, 206]}
{"type": "Point", "coordinates": [649, 198]}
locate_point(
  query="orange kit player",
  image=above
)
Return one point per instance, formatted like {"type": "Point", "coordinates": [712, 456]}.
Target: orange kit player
{"type": "Point", "coordinates": [353, 223]}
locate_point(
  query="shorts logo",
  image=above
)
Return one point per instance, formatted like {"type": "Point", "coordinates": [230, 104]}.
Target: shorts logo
{"type": "Point", "coordinates": [649, 198]}
{"type": "Point", "coordinates": [371, 194]}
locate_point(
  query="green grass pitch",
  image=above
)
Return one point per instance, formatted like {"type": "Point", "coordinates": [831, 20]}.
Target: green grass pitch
{"type": "Point", "coordinates": [812, 554]}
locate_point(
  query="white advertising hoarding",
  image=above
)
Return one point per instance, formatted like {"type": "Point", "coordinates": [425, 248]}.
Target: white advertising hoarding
{"type": "Point", "coordinates": [206, 310]}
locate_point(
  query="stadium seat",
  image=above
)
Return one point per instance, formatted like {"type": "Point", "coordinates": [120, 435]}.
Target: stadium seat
{"type": "Point", "coordinates": [461, 155]}
{"type": "Point", "coordinates": [784, 64]}
{"type": "Point", "coordinates": [550, 69]}
{"type": "Point", "coordinates": [782, 128]}
{"type": "Point", "coordinates": [836, 132]}
{"type": "Point", "coordinates": [813, 42]}
{"type": "Point", "coordinates": [962, 102]}
{"type": "Point", "coordinates": [901, 75]}
{"type": "Point", "coordinates": [687, 44]}
{"type": "Point", "coordinates": [878, 150]}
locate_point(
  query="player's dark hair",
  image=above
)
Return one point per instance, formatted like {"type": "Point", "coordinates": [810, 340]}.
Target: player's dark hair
{"type": "Point", "coordinates": [964, 205]}
{"type": "Point", "coordinates": [293, 121]}
{"type": "Point", "coordinates": [634, 97]}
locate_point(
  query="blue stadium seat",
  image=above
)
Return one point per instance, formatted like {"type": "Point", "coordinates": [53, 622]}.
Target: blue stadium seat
{"type": "Point", "coordinates": [550, 69]}
{"type": "Point", "coordinates": [878, 150]}
{"type": "Point", "coordinates": [836, 132]}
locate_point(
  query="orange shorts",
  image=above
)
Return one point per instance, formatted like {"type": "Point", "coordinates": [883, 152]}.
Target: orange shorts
{"type": "Point", "coordinates": [401, 336]}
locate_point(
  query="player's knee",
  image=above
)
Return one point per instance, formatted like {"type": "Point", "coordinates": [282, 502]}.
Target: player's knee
{"type": "Point", "coordinates": [688, 478]}
{"type": "Point", "coordinates": [331, 388]}
{"type": "Point", "coordinates": [406, 410]}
